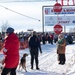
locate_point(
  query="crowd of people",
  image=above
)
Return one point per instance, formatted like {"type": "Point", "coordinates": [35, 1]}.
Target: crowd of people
{"type": "Point", "coordinates": [43, 38]}
{"type": "Point", "coordinates": [13, 42]}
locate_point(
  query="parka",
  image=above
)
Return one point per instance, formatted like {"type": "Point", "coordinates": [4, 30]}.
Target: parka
{"type": "Point", "coordinates": [11, 51]}
{"type": "Point", "coordinates": [61, 47]}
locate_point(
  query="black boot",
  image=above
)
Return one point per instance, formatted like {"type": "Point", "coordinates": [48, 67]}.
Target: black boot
{"type": "Point", "coordinates": [32, 67]}
{"type": "Point", "coordinates": [63, 62]}
{"type": "Point", "coordinates": [37, 68]}
{"type": "Point", "coordinates": [60, 62]}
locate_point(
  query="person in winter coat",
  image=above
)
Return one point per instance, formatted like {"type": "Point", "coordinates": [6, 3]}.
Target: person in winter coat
{"type": "Point", "coordinates": [34, 46]}
{"type": "Point", "coordinates": [52, 37]}
{"type": "Point", "coordinates": [61, 48]}
{"type": "Point", "coordinates": [11, 52]}
{"type": "Point", "coordinates": [70, 39]}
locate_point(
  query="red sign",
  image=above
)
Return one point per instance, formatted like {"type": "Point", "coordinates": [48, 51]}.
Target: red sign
{"type": "Point", "coordinates": [58, 29]}
{"type": "Point", "coordinates": [57, 7]}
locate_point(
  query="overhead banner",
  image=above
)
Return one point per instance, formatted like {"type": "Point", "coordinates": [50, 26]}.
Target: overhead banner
{"type": "Point", "coordinates": [65, 10]}
{"type": "Point", "coordinates": [62, 20]}
{"type": "Point", "coordinates": [65, 17]}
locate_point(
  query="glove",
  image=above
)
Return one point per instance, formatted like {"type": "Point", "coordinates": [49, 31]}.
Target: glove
{"type": "Point", "coordinates": [41, 51]}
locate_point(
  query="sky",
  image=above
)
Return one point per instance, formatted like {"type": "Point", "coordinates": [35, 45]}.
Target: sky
{"type": "Point", "coordinates": [48, 63]}
{"type": "Point", "coordinates": [31, 13]}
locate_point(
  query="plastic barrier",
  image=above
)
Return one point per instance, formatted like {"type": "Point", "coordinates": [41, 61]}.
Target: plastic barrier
{"type": "Point", "coordinates": [24, 44]}
{"type": "Point", "coordinates": [1, 46]}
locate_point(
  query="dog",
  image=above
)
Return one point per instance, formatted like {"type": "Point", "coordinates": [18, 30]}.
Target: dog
{"type": "Point", "coordinates": [23, 62]}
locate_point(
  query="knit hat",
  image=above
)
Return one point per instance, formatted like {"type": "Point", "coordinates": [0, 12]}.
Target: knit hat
{"type": "Point", "coordinates": [9, 30]}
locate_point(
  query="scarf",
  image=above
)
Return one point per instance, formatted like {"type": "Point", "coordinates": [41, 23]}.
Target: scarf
{"type": "Point", "coordinates": [61, 41]}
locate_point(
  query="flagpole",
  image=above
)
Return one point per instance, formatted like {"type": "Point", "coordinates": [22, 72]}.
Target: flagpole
{"type": "Point", "coordinates": [64, 29]}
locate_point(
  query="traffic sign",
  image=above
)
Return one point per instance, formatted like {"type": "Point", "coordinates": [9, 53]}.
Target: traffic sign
{"type": "Point", "coordinates": [57, 7]}
{"type": "Point", "coordinates": [58, 29]}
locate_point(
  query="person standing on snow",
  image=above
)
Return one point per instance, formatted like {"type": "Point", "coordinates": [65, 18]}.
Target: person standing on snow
{"type": "Point", "coordinates": [61, 48]}
{"type": "Point", "coordinates": [34, 46]}
{"type": "Point", "coordinates": [11, 52]}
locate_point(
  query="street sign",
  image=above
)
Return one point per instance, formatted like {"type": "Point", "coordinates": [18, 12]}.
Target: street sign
{"type": "Point", "coordinates": [57, 7]}
{"type": "Point", "coordinates": [58, 29]}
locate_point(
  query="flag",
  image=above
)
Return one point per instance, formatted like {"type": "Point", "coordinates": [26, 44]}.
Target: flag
{"type": "Point", "coordinates": [67, 2]}
{"type": "Point", "coordinates": [73, 2]}
{"type": "Point", "coordinates": [62, 2]}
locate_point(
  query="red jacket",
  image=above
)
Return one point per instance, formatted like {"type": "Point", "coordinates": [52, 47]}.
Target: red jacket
{"type": "Point", "coordinates": [12, 54]}
{"type": "Point", "coordinates": [51, 36]}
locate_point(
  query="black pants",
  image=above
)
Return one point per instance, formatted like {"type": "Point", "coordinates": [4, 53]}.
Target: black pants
{"type": "Point", "coordinates": [7, 70]}
{"type": "Point", "coordinates": [34, 55]}
{"type": "Point", "coordinates": [61, 58]}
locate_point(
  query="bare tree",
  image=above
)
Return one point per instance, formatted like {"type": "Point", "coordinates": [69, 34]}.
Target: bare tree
{"type": "Point", "coordinates": [4, 27]}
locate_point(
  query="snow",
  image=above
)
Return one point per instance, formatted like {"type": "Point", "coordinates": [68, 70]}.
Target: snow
{"type": "Point", "coordinates": [48, 63]}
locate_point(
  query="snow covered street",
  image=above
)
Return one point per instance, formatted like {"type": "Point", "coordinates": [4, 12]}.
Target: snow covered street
{"type": "Point", "coordinates": [48, 63]}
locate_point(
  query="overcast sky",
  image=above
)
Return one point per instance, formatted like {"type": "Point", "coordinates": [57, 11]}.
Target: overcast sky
{"type": "Point", "coordinates": [32, 12]}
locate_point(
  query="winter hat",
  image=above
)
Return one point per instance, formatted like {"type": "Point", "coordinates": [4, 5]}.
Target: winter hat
{"type": "Point", "coordinates": [9, 30]}
{"type": "Point", "coordinates": [34, 32]}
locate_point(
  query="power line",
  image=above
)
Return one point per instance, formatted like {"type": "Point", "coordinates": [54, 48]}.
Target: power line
{"type": "Point", "coordinates": [19, 13]}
